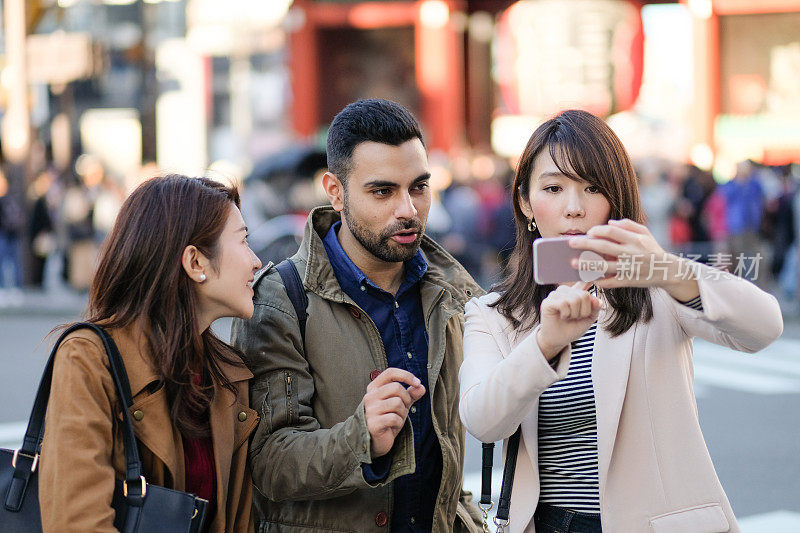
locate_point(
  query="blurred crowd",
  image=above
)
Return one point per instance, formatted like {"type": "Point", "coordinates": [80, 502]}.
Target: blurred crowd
{"type": "Point", "coordinates": [50, 232]}
{"type": "Point", "coordinates": [749, 225]}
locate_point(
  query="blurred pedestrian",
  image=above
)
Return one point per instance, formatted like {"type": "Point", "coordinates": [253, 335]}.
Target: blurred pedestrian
{"type": "Point", "coordinates": [12, 220]}
{"type": "Point", "coordinates": [598, 377]}
{"type": "Point", "coordinates": [75, 215]}
{"type": "Point", "coordinates": [658, 199]}
{"type": "Point", "coordinates": [697, 190]}
{"type": "Point", "coordinates": [176, 260]}
{"type": "Point", "coordinates": [41, 230]}
{"type": "Point", "coordinates": [744, 202]}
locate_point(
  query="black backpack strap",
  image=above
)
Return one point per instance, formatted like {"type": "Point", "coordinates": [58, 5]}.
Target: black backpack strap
{"type": "Point", "coordinates": [296, 292]}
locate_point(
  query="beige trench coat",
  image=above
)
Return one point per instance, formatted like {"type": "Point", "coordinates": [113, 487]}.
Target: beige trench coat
{"type": "Point", "coordinates": [655, 471]}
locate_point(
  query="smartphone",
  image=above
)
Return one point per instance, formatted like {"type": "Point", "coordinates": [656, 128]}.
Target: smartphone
{"type": "Point", "coordinates": [552, 262]}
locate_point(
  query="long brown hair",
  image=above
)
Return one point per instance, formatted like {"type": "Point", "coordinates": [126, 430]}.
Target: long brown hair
{"type": "Point", "coordinates": [140, 281]}
{"type": "Point", "coordinates": [582, 147]}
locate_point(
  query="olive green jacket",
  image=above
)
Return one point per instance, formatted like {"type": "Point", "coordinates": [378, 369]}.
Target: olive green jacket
{"type": "Point", "coordinates": [312, 437]}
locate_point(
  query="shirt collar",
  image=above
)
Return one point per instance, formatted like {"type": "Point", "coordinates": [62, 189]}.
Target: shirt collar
{"type": "Point", "coordinates": [416, 267]}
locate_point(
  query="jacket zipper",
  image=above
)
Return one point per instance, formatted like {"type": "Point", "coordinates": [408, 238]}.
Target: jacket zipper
{"type": "Point", "coordinates": [289, 395]}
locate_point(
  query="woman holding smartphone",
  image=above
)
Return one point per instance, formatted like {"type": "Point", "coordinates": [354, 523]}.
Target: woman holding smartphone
{"type": "Point", "coordinates": [599, 375]}
{"type": "Point", "coordinates": [176, 260]}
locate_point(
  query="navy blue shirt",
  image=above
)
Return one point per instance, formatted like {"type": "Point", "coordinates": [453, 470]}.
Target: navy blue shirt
{"type": "Point", "coordinates": [401, 324]}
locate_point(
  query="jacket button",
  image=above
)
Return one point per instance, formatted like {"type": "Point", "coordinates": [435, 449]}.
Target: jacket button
{"type": "Point", "coordinates": [381, 519]}
{"type": "Point", "coordinates": [355, 312]}
{"type": "Point", "coordinates": [138, 415]}
{"type": "Point", "coordinates": [374, 374]}
{"type": "Point", "coordinates": [242, 416]}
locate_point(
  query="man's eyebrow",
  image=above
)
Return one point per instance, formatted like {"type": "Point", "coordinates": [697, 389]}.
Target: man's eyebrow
{"type": "Point", "coordinates": [379, 184]}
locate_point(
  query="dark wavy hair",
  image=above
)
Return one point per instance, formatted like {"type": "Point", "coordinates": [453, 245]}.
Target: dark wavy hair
{"type": "Point", "coordinates": [140, 281]}
{"type": "Point", "coordinates": [582, 147]}
{"type": "Point", "coordinates": [376, 120]}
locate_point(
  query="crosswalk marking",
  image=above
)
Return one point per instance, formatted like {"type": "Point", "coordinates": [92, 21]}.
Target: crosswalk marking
{"type": "Point", "coordinates": [774, 370]}
{"type": "Point", "coordinates": [774, 522]}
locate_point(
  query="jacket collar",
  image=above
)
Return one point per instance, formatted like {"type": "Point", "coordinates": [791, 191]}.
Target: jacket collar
{"type": "Point", "coordinates": [155, 432]}
{"type": "Point", "coordinates": [443, 270]}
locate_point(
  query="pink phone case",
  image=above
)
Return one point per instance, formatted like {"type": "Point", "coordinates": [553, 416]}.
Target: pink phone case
{"type": "Point", "coordinates": [552, 259]}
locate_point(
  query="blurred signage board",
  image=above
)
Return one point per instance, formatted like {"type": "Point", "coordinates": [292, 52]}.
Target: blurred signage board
{"type": "Point", "coordinates": [181, 113]}
{"type": "Point", "coordinates": [235, 26]}
{"type": "Point", "coordinates": [759, 59]}
{"type": "Point", "coordinates": [552, 55]}
{"type": "Point", "coordinates": [115, 137]}
{"type": "Point", "coordinates": [59, 57]}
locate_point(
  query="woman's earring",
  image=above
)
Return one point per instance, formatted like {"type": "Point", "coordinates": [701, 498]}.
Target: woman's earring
{"type": "Point", "coordinates": [531, 225]}
{"type": "Point", "coordinates": [202, 278]}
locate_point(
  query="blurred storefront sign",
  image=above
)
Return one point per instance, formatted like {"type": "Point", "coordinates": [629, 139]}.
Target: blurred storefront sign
{"type": "Point", "coordinates": [181, 125]}
{"type": "Point", "coordinates": [235, 26]}
{"type": "Point", "coordinates": [747, 80]}
{"type": "Point", "coordinates": [115, 137]}
{"type": "Point", "coordinates": [759, 87]}
{"type": "Point", "coordinates": [553, 55]}
{"type": "Point", "coordinates": [584, 53]}
{"type": "Point", "coordinates": [60, 57]}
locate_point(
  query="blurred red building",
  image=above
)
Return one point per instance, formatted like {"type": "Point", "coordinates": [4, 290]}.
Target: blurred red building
{"type": "Point", "coordinates": [434, 56]}
{"type": "Point", "coordinates": [444, 59]}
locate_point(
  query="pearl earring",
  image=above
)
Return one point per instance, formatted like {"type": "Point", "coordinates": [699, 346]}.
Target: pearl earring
{"type": "Point", "coordinates": [202, 278]}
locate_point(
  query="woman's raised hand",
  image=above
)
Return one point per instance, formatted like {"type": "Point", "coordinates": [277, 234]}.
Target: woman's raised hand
{"type": "Point", "coordinates": [565, 315]}
{"type": "Point", "coordinates": [635, 259]}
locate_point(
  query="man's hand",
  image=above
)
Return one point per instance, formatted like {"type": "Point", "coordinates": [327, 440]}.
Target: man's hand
{"type": "Point", "coordinates": [386, 405]}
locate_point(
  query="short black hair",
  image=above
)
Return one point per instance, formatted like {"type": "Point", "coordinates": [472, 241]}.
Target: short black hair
{"type": "Point", "coordinates": [375, 120]}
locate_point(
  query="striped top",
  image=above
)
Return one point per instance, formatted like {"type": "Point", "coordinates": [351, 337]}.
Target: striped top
{"type": "Point", "coordinates": [568, 471]}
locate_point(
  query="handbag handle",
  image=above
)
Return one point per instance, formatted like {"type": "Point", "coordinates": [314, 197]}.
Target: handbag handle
{"type": "Point", "coordinates": [135, 486]}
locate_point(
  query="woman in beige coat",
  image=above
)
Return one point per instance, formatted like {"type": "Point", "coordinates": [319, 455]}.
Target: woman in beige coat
{"type": "Point", "coordinates": [176, 260]}
{"type": "Point", "coordinates": [599, 375]}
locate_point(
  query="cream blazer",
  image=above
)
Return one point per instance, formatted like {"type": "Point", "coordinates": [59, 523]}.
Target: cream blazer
{"type": "Point", "coordinates": [655, 471]}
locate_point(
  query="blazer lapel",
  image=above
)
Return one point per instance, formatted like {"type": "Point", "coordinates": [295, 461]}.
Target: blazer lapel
{"type": "Point", "coordinates": [611, 363]}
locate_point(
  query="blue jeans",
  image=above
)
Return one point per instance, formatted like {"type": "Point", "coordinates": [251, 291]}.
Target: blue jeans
{"type": "Point", "coordinates": [551, 519]}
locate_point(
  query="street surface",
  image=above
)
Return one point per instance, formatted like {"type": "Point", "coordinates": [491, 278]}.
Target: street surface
{"type": "Point", "coordinates": [749, 410]}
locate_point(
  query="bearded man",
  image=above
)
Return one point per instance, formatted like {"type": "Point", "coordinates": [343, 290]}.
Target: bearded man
{"type": "Point", "coordinates": [359, 427]}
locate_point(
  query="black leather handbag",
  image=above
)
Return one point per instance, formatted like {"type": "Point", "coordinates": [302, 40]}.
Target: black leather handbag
{"type": "Point", "coordinates": [139, 506]}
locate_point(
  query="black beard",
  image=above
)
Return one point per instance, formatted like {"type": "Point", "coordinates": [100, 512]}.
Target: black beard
{"type": "Point", "coordinates": [380, 245]}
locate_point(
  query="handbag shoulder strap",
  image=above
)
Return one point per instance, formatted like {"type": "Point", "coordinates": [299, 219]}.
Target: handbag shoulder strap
{"type": "Point", "coordinates": [504, 502]}
{"type": "Point", "coordinates": [296, 292]}
{"type": "Point", "coordinates": [35, 430]}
